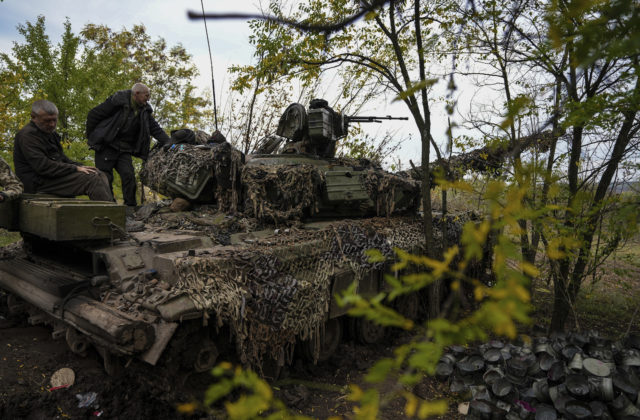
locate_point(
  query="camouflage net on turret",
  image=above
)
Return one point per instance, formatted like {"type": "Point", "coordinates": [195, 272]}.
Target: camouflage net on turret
{"type": "Point", "coordinates": [183, 163]}
{"type": "Point", "coordinates": [382, 186]}
{"type": "Point", "coordinates": [277, 289]}
{"type": "Point", "coordinates": [278, 193]}
{"type": "Point", "coordinates": [281, 192]}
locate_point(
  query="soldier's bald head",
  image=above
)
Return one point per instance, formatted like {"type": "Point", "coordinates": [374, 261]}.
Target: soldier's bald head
{"type": "Point", "coordinates": [140, 87]}
{"type": "Point", "coordinates": [140, 93]}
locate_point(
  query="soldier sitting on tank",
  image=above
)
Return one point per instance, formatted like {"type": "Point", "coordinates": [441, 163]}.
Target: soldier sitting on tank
{"type": "Point", "coordinates": [12, 187]}
{"type": "Point", "coordinates": [42, 165]}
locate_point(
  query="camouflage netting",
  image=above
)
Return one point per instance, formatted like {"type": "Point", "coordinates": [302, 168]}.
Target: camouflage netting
{"type": "Point", "coordinates": [184, 163]}
{"type": "Point", "coordinates": [271, 291]}
{"type": "Point", "coordinates": [488, 159]}
{"type": "Point", "coordinates": [203, 219]}
{"type": "Point", "coordinates": [281, 192]}
{"type": "Point", "coordinates": [382, 187]}
{"type": "Point", "coordinates": [10, 251]}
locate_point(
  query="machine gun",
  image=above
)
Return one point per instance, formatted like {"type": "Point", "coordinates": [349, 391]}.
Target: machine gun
{"type": "Point", "coordinates": [317, 130]}
{"type": "Point", "coordinates": [363, 119]}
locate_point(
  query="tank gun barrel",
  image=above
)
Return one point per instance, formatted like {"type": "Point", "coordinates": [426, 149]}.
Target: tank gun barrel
{"type": "Point", "coordinates": [370, 119]}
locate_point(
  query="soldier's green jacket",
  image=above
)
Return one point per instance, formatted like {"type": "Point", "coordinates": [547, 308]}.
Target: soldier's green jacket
{"type": "Point", "coordinates": [12, 187]}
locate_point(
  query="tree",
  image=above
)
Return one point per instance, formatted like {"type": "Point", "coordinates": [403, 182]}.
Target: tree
{"type": "Point", "coordinates": [594, 90]}
{"type": "Point", "coordinates": [83, 70]}
{"type": "Point", "coordinates": [602, 85]}
{"type": "Point", "coordinates": [593, 99]}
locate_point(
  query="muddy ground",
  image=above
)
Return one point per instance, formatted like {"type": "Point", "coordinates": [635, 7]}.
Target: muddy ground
{"type": "Point", "coordinates": [29, 356]}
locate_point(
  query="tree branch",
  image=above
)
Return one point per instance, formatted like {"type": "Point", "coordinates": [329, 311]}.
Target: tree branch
{"type": "Point", "coordinates": [303, 26]}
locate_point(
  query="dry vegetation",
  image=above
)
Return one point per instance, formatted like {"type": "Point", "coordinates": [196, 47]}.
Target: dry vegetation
{"type": "Point", "coordinates": [609, 301]}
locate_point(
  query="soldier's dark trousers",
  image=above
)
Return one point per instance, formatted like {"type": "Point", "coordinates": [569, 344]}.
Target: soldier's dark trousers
{"type": "Point", "coordinates": [110, 159]}
{"type": "Point", "coordinates": [95, 186]}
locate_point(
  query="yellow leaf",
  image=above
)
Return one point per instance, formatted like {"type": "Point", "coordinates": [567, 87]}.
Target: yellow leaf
{"type": "Point", "coordinates": [356, 393]}
{"type": "Point", "coordinates": [411, 406]}
{"type": "Point", "coordinates": [529, 269]}
{"type": "Point", "coordinates": [432, 408]}
{"type": "Point", "coordinates": [522, 293]}
{"type": "Point", "coordinates": [264, 390]}
{"type": "Point", "coordinates": [225, 365]}
{"type": "Point", "coordinates": [187, 408]}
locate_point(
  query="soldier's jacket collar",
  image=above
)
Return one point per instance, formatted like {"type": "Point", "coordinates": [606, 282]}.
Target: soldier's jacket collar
{"type": "Point", "coordinates": [43, 133]}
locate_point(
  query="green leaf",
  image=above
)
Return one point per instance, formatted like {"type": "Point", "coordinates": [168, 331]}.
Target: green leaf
{"type": "Point", "coordinates": [380, 370]}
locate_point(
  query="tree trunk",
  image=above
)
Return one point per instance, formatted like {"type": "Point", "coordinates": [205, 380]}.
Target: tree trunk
{"type": "Point", "coordinates": [565, 296]}
{"type": "Point", "coordinates": [561, 307]}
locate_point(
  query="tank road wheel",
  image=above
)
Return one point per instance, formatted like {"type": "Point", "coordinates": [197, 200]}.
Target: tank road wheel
{"type": "Point", "coordinates": [15, 305]}
{"type": "Point", "coordinates": [206, 356]}
{"type": "Point", "coordinates": [271, 368]}
{"type": "Point", "coordinates": [77, 343]}
{"type": "Point", "coordinates": [365, 331]}
{"type": "Point", "coordinates": [329, 341]}
{"type": "Point", "coordinates": [112, 363]}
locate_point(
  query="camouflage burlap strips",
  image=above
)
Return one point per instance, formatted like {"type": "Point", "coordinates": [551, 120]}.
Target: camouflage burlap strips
{"type": "Point", "coordinates": [281, 192]}
{"type": "Point", "coordinates": [276, 289]}
{"type": "Point", "coordinates": [182, 164]}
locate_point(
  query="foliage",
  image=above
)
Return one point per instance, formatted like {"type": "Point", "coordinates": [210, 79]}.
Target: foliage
{"type": "Point", "coordinates": [7, 237]}
{"type": "Point", "coordinates": [360, 145]}
{"type": "Point", "coordinates": [578, 75]}
{"type": "Point", "coordinates": [501, 308]}
{"type": "Point", "coordinates": [83, 69]}
{"type": "Point", "coordinates": [382, 54]}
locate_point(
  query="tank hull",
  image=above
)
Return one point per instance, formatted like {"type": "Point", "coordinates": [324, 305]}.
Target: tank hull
{"type": "Point", "coordinates": [254, 296]}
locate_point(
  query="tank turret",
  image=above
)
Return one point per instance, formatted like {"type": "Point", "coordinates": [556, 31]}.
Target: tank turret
{"type": "Point", "coordinates": [303, 181]}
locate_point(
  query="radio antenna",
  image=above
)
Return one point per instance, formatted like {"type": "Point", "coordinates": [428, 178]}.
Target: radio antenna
{"type": "Point", "coordinates": [213, 83]}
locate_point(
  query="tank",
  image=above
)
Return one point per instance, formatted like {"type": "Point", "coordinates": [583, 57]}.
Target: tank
{"type": "Point", "coordinates": [242, 259]}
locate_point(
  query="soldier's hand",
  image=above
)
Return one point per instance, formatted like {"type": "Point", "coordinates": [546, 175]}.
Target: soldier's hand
{"type": "Point", "coordinates": [87, 169]}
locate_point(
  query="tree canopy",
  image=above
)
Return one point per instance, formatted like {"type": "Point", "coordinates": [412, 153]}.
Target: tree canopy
{"type": "Point", "coordinates": [82, 70]}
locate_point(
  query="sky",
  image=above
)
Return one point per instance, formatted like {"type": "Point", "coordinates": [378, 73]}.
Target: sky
{"type": "Point", "coordinates": [168, 19]}
{"type": "Point", "coordinates": [162, 18]}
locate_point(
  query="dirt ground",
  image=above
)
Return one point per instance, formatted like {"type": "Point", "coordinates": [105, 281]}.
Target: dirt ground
{"type": "Point", "coordinates": [30, 356]}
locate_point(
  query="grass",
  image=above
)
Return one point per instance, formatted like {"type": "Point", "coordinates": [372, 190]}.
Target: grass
{"type": "Point", "coordinates": [608, 302]}
{"type": "Point", "coordinates": [7, 237]}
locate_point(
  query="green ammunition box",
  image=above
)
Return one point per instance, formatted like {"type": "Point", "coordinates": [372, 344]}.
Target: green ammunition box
{"type": "Point", "coordinates": [70, 219]}
{"type": "Point", "coordinates": [192, 186]}
{"type": "Point", "coordinates": [345, 186]}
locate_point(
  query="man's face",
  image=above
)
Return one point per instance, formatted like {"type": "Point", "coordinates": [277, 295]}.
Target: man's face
{"type": "Point", "coordinates": [45, 122]}
{"type": "Point", "coordinates": [141, 97]}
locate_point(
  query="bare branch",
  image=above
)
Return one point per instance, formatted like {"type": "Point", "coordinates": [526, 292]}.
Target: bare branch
{"type": "Point", "coordinates": [303, 26]}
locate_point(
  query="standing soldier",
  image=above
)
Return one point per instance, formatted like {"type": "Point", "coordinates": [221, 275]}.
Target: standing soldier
{"type": "Point", "coordinates": [12, 187]}
{"type": "Point", "coordinates": [122, 127]}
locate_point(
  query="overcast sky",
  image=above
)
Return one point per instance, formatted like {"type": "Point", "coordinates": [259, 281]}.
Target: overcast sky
{"type": "Point", "coordinates": [168, 19]}
{"type": "Point", "coordinates": [162, 18]}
